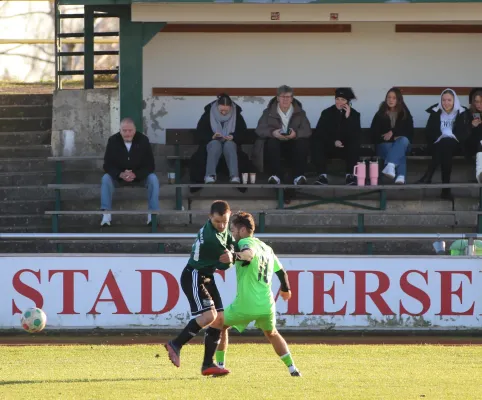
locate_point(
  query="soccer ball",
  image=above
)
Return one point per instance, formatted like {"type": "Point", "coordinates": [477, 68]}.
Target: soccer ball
{"type": "Point", "coordinates": [33, 320]}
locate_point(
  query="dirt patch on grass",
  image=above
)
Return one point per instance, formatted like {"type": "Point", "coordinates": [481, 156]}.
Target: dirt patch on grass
{"type": "Point", "coordinates": [25, 339]}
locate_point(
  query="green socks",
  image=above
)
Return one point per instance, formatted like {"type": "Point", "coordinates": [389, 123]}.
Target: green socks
{"type": "Point", "coordinates": [288, 360]}
{"type": "Point", "coordinates": [220, 358]}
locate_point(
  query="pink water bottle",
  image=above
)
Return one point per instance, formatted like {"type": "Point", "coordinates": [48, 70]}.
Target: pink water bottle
{"type": "Point", "coordinates": [360, 171]}
{"type": "Point", "coordinates": [373, 173]}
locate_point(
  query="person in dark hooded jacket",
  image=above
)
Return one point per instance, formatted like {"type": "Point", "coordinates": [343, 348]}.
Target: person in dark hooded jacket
{"type": "Point", "coordinates": [392, 132]}
{"type": "Point", "coordinates": [220, 132]}
{"type": "Point", "coordinates": [474, 141]}
{"type": "Point", "coordinates": [284, 129]}
{"type": "Point", "coordinates": [337, 135]}
{"type": "Point", "coordinates": [445, 132]}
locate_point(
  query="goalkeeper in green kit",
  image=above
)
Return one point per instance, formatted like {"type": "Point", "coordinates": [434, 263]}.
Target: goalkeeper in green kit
{"type": "Point", "coordinates": [255, 265]}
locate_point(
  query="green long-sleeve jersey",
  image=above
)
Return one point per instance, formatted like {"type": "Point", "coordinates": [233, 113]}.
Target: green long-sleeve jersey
{"type": "Point", "coordinates": [209, 245]}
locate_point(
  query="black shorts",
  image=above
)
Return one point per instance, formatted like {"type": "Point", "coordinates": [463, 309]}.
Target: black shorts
{"type": "Point", "coordinates": [200, 290]}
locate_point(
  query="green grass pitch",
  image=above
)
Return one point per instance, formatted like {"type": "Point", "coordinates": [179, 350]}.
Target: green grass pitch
{"type": "Point", "coordinates": [329, 372]}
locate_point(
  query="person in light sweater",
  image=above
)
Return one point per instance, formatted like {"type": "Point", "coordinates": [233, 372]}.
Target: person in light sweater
{"type": "Point", "coordinates": [445, 133]}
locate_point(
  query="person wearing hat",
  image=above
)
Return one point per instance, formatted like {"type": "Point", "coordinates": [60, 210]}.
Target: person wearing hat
{"type": "Point", "coordinates": [337, 135]}
{"type": "Point", "coordinates": [474, 141]}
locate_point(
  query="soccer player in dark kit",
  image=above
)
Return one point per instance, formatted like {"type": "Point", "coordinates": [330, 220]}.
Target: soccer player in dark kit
{"type": "Point", "coordinates": [212, 250]}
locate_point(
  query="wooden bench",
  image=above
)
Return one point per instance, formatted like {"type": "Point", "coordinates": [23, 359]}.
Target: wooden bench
{"type": "Point", "coordinates": [187, 137]}
{"type": "Point", "coordinates": [353, 193]}
{"type": "Point", "coordinates": [261, 225]}
{"type": "Point", "coordinates": [182, 138]}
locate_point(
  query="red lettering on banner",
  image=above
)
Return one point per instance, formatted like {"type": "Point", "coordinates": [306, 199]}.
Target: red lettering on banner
{"type": "Point", "coordinates": [68, 288]}
{"type": "Point", "coordinates": [376, 296]}
{"type": "Point", "coordinates": [26, 290]}
{"type": "Point", "coordinates": [293, 303]}
{"type": "Point", "coordinates": [446, 293]}
{"type": "Point", "coordinates": [319, 293]}
{"type": "Point", "coordinates": [146, 291]}
{"type": "Point", "coordinates": [116, 294]}
{"type": "Point", "coordinates": [415, 292]}
{"type": "Point", "coordinates": [221, 273]}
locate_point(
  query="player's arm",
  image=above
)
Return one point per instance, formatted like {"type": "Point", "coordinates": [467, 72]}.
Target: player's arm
{"type": "Point", "coordinates": [280, 272]}
{"type": "Point", "coordinates": [245, 254]}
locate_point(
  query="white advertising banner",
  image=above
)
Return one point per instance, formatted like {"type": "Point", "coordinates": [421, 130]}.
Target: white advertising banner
{"type": "Point", "coordinates": [79, 291]}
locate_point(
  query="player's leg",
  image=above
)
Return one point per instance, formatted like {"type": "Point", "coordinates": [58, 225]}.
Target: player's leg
{"type": "Point", "coordinates": [202, 309]}
{"type": "Point", "coordinates": [268, 326]}
{"type": "Point", "coordinates": [234, 319]}
{"type": "Point", "coordinates": [213, 333]}
{"type": "Point", "coordinates": [222, 347]}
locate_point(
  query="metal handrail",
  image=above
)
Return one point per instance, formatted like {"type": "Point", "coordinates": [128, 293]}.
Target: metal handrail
{"type": "Point", "coordinates": [265, 236]}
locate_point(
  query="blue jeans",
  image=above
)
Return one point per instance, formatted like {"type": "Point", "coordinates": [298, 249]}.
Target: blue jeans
{"type": "Point", "coordinates": [108, 186]}
{"type": "Point", "coordinates": [395, 153]}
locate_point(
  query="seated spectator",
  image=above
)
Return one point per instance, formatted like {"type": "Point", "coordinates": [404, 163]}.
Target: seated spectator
{"type": "Point", "coordinates": [474, 141]}
{"type": "Point", "coordinates": [128, 160]}
{"type": "Point", "coordinates": [220, 132]}
{"type": "Point", "coordinates": [392, 132]}
{"type": "Point", "coordinates": [446, 130]}
{"type": "Point", "coordinates": [337, 135]}
{"type": "Point", "coordinates": [285, 130]}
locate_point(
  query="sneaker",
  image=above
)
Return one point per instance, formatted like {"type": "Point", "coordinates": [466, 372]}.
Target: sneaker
{"type": "Point", "coordinates": [296, 373]}
{"type": "Point", "coordinates": [389, 171]}
{"type": "Point", "coordinates": [322, 180]}
{"type": "Point", "coordinates": [174, 353]}
{"type": "Point", "coordinates": [300, 180]}
{"type": "Point", "coordinates": [235, 179]}
{"type": "Point", "coordinates": [350, 180]}
{"type": "Point", "coordinates": [149, 219]}
{"type": "Point", "coordinates": [214, 370]}
{"type": "Point", "coordinates": [400, 180]}
{"type": "Point", "coordinates": [106, 220]}
{"type": "Point", "coordinates": [210, 179]}
{"type": "Point", "coordinates": [273, 179]}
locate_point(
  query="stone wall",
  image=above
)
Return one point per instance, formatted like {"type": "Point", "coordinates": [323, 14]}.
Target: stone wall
{"type": "Point", "coordinates": [83, 121]}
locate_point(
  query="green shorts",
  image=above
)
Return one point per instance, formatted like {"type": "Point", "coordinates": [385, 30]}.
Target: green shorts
{"type": "Point", "coordinates": [240, 320]}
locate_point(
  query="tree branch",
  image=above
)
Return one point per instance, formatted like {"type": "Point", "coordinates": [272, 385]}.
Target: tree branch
{"type": "Point", "coordinates": [27, 14]}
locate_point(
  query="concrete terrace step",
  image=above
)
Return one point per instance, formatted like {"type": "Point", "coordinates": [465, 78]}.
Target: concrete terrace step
{"type": "Point", "coordinates": [25, 164]}
{"type": "Point", "coordinates": [14, 111]}
{"type": "Point", "coordinates": [39, 206]}
{"type": "Point", "coordinates": [36, 150]}
{"type": "Point", "coordinates": [26, 193]}
{"type": "Point", "coordinates": [304, 223]}
{"type": "Point", "coordinates": [46, 247]}
{"type": "Point", "coordinates": [29, 178]}
{"type": "Point", "coordinates": [22, 221]}
{"type": "Point", "coordinates": [23, 206]}
{"type": "Point", "coordinates": [40, 192]}
{"type": "Point", "coordinates": [25, 138]}
{"type": "Point", "coordinates": [26, 100]}
{"type": "Point", "coordinates": [25, 124]}
{"type": "Point", "coordinates": [402, 247]}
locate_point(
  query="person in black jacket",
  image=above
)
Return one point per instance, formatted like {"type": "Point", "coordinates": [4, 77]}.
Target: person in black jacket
{"type": "Point", "coordinates": [446, 130]}
{"type": "Point", "coordinates": [220, 132]}
{"type": "Point", "coordinates": [337, 135]}
{"type": "Point", "coordinates": [392, 132]}
{"type": "Point", "coordinates": [474, 141]}
{"type": "Point", "coordinates": [128, 160]}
